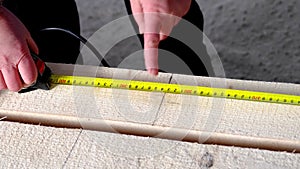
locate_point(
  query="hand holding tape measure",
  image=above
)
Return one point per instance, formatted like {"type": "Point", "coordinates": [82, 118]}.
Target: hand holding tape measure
{"type": "Point", "coordinates": [45, 77]}
{"type": "Point", "coordinates": [17, 69]}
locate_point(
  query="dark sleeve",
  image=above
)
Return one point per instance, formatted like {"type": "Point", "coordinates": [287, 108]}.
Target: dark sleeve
{"type": "Point", "coordinates": [39, 14]}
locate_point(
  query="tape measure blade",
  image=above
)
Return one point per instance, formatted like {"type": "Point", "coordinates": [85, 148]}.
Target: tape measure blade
{"type": "Point", "coordinates": [176, 89]}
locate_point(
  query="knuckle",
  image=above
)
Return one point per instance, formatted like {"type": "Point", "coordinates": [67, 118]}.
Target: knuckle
{"type": "Point", "coordinates": [152, 43]}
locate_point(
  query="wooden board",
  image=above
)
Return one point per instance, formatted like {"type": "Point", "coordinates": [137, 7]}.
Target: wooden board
{"type": "Point", "coordinates": [107, 150]}
{"type": "Point", "coordinates": [169, 116]}
{"type": "Point", "coordinates": [33, 146]}
{"type": "Point", "coordinates": [90, 102]}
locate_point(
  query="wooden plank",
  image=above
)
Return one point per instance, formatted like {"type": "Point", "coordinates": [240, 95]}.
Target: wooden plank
{"type": "Point", "coordinates": [112, 104]}
{"type": "Point", "coordinates": [144, 113]}
{"type": "Point", "coordinates": [33, 146]}
{"type": "Point", "coordinates": [251, 85]}
{"type": "Point", "coordinates": [171, 133]}
{"type": "Point", "coordinates": [208, 119]}
{"type": "Point", "coordinates": [106, 150]}
{"type": "Point", "coordinates": [233, 117]}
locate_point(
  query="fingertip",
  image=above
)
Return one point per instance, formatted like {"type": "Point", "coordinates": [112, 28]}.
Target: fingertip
{"type": "Point", "coordinates": [151, 60]}
{"type": "Point", "coordinates": [27, 70]}
{"type": "Point", "coordinates": [12, 79]}
{"type": "Point", "coordinates": [151, 53]}
{"type": "Point", "coordinates": [153, 72]}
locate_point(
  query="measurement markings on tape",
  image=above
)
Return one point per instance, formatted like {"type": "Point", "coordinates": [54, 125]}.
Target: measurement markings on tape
{"type": "Point", "coordinates": [176, 89]}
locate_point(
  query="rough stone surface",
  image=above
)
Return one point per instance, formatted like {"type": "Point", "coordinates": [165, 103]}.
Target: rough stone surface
{"type": "Point", "coordinates": [255, 39]}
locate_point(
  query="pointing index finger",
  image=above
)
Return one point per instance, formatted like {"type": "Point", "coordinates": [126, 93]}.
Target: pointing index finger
{"type": "Point", "coordinates": [151, 42]}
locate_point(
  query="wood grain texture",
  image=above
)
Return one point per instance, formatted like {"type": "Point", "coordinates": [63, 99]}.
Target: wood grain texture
{"type": "Point", "coordinates": [251, 85]}
{"type": "Point", "coordinates": [136, 110]}
{"type": "Point", "coordinates": [79, 101]}
{"type": "Point", "coordinates": [106, 150]}
{"type": "Point", "coordinates": [247, 118]}
{"type": "Point", "coordinates": [236, 117]}
{"type": "Point", "coordinates": [114, 104]}
{"type": "Point", "coordinates": [33, 146]}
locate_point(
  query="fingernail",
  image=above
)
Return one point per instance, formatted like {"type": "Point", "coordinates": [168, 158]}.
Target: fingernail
{"type": "Point", "coordinates": [28, 85]}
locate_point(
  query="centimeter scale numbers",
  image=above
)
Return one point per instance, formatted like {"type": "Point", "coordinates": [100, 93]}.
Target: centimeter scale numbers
{"type": "Point", "coordinates": [176, 89]}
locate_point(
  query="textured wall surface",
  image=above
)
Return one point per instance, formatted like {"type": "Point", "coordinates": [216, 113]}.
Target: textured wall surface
{"type": "Point", "coordinates": [255, 39]}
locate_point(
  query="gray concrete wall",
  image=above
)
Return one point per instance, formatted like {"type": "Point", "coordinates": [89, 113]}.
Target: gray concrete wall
{"type": "Point", "coordinates": [255, 39]}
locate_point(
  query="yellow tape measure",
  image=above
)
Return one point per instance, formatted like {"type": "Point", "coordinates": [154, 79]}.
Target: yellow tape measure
{"type": "Point", "coordinates": [176, 89]}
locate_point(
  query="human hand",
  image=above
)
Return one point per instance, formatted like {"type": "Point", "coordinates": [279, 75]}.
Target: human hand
{"type": "Point", "coordinates": [17, 68]}
{"type": "Point", "coordinates": [156, 19]}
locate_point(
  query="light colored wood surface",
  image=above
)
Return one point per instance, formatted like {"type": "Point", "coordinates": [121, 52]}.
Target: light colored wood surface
{"type": "Point", "coordinates": [111, 104]}
{"type": "Point", "coordinates": [265, 125]}
{"type": "Point", "coordinates": [236, 117]}
{"type": "Point", "coordinates": [33, 146]}
{"type": "Point", "coordinates": [216, 115]}
{"type": "Point", "coordinates": [260, 86]}
{"type": "Point", "coordinates": [107, 150]}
